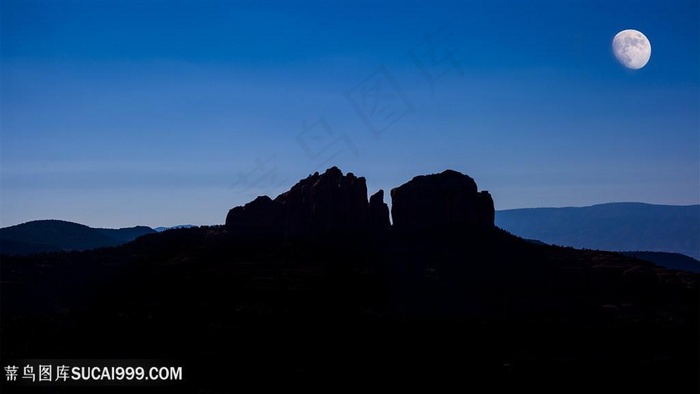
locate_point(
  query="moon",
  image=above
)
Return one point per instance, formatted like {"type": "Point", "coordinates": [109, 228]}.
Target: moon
{"type": "Point", "coordinates": [632, 48]}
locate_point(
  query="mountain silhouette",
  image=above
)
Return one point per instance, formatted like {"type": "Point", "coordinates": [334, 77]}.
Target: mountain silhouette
{"type": "Point", "coordinates": [675, 261]}
{"type": "Point", "coordinates": [163, 228]}
{"type": "Point", "coordinates": [315, 288]}
{"type": "Point", "coordinates": [41, 236]}
{"type": "Point", "coordinates": [614, 226]}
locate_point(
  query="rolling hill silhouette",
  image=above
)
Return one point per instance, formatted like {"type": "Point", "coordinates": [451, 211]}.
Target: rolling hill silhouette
{"type": "Point", "coordinates": [315, 287]}
{"type": "Point", "coordinates": [673, 261]}
{"type": "Point", "coordinates": [41, 236]}
{"type": "Point", "coordinates": [163, 228]}
{"type": "Point", "coordinates": [614, 226]}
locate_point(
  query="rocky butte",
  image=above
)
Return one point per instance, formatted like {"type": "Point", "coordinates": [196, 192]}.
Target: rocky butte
{"type": "Point", "coordinates": [445, 199]}
{"type": "Point", "coordinates": [333, 203]}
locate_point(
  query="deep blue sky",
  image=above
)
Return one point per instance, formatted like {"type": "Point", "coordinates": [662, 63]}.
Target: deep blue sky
{"type": "Point", "coordinates": [117, 113]}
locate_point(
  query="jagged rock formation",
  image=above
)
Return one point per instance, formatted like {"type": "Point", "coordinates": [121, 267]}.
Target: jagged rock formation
{"type": "Point", "coordinates": [448, 198]}
{"type": "Point", "coordinates": [333, 203]}
{"type": "Point", "coordinates": [326, 203]}
{"type": "Point", "coordinates": [486, 213]}
{"type": "Point", "coordinates": [320, 204]}
{"type": "Point", "coordinates": [378, 211]}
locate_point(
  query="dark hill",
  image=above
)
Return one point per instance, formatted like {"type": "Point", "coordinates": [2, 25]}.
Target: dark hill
{"type": "Point", "coordinates": [293, 291]}
{"type": "Point", "coordinates": [41, 236]}
{"type": "Point", "coordinates": [615, 226]}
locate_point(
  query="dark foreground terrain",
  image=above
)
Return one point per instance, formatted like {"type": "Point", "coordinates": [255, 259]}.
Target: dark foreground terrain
{"type": "Point", "coordinates": [435, 301]}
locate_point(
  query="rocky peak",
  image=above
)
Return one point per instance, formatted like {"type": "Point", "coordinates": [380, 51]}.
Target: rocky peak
{"type": "Point", "coordinates": [378, 212]}
{"type": "Point", "coordinates": [447, 198]}
{"type": "Point", "coordinates": [320, 204]}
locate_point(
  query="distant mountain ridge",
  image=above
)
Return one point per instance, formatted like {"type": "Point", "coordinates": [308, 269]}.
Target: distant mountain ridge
{"type": "Point", "coordinates": [163, 228]}
{"type": "Point", "coordinates": [675, 261]}
{"type": "Point", "coordinates": [613, 226]}
{"type": "Point", "coordinates": [41, 236]}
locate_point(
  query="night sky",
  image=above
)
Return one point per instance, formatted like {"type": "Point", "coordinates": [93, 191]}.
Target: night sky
{"type": "Point", "coordinates": [122, 113]}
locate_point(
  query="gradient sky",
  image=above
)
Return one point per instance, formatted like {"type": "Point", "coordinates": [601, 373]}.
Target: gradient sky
{"type": "Point", "coordinates": [118, 113]}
